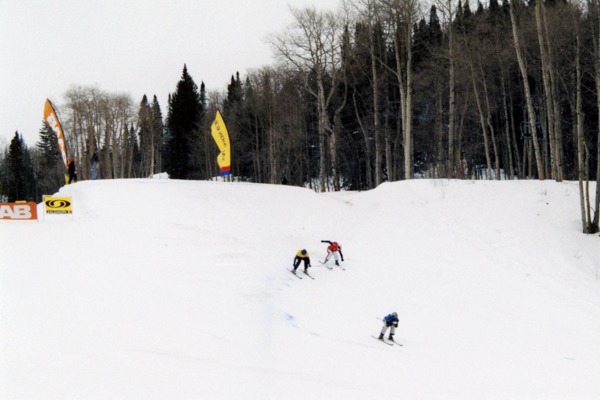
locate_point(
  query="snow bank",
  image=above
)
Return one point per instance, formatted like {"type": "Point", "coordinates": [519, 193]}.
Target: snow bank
{"type": "Point", "coordinates": [161, 288]}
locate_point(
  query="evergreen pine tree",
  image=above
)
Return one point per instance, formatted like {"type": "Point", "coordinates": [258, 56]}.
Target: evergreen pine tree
{"type": "Point", "coordinates": [31, 187]}
{"type": "Point", "coordinates": [3, 175]}
{"type": "Point", "coordinates": [233, 113]}
{"type": "Point", "coordinates": [185, 110]}
{"type": "Point", "coordinates": [17, 170]}
{"type": "Point", "coordinates": [135, 169]}
{"type": "Point", "coordinates": [158, 134]}
{"type": "Point", "coordinates": [202, 99]}
{"type": "Point", "coordinates": [146, 136]}
{"type": "Point", "coordinates": [50, 174]}
{"type": "Point", "coordinates": [435, 28]}
{"type": "Point", "coordinates": [234, 95]}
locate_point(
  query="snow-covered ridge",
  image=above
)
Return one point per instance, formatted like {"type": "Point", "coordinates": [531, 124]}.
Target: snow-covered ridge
{"type": "Point", "coordinates": [180, 290]}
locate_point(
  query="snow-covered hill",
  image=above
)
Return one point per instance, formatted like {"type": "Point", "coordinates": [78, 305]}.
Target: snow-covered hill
{"type": "Point", "coordinates": [164, 289]}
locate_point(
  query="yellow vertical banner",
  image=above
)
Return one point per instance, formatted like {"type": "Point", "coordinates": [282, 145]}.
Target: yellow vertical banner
{"type": "Point", "coordinates": [221, 137]}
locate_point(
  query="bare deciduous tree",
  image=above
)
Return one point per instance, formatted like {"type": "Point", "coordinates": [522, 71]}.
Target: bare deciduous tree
{"type": "Point", "coordinates": [448, 11]}
{"type": "Point", "coordinates": [311, 46]}
{"type": "Point", "coordinates": [99, 120]}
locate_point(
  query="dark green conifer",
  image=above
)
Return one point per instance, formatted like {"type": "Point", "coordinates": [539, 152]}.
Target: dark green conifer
{"type": "Point", "coordinates": [158, 134]}
{"type": "Point", "coordinates": [145, 134]}
{"type": "Point", "coordinates": [19, 171]}
{"type": "Point", "coordinates": [185, 110]}
{"type": "Point", "coordinates": [51, 170]}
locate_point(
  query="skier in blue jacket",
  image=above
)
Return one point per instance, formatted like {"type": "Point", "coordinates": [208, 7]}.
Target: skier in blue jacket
{"type": "Point", "coordinates": [390, 321]}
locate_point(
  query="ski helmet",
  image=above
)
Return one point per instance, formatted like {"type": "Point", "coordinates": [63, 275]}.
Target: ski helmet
{"type": "Point", "coordinates": [335, 244]}
{"type": "Point", "coordinates": [394, 315]}
{"type": "Point", "coordinates": [303, 252]}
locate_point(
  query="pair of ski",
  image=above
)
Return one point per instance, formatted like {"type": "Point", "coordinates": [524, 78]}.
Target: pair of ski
{"type": "Point", "coordinates": [310, 276]}
{"type": "Point", "coordinates": [386, 342]}
{"type": "Point", "coordinates": [337, 265]}
{"type": "Point", "coordinates": [298, 276]}
{"type": "Point", "coordinates": [381, 340]}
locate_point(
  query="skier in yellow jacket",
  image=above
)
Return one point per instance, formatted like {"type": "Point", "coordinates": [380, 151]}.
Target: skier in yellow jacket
{"type": "Point", "coordinates": [302, 255]}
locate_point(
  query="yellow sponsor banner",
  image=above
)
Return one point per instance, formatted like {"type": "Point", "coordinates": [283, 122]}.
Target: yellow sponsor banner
{"type": "Point", "coordinates": [221, 136]}
{"type": "Point", "coordinates": [57, 205]}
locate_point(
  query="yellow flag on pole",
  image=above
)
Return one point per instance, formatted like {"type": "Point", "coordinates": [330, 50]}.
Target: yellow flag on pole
{"type": "Point", "coordinates": [221, 137]}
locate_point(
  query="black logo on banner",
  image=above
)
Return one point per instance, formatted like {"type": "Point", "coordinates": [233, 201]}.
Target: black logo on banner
{"type": "Point", "coordinates": [58, 203]}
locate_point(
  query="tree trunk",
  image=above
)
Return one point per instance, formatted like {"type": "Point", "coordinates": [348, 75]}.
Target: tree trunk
{"type": "Point", "coordinates": [489, 123]}
{"type": "Point", "coordinates": [507, 127]}
{"type": "Point", "coordinates": [376, 123]}
{"type": "Point", "coordinates": [556, 116]}
{"type": "Point", "coordinates": [530, 111]}
{"type": "Point", "coordinates": [481, 119]}
{"type": "Point", "coordinates": [368, 171]}
{"type": "Point", "coordinates": [439, 131]}
{"type": "Point", "coordinates": [596, 222]}
{"type": "Point", "coordinates": [579, 113]}
{"type": "Point", "coordinates": [452, 106]}
{"type": "Point", "coordinates": [337, 127]}
{"type": "Point", "coordinates": [547, 88]}
{"type": "Point", "coordinates": [408, 147]}
{"type": "Point", "coordinates": [520, 163]}
{"type": "Point", "coordinates": [322, 133]}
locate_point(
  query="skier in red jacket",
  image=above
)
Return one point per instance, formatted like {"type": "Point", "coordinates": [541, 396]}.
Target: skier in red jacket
{"type": "Point", "coordinates": [333, 249]}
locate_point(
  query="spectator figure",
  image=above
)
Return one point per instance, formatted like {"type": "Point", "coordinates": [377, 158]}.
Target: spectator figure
{"type": "Point", "coordinates": [72, 173]}
{"type": "Point", "coordinates": [94, 161]}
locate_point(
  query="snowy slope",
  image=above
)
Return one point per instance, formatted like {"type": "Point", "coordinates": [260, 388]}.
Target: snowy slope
{"type": "Point", "coordinates": [160, 289]}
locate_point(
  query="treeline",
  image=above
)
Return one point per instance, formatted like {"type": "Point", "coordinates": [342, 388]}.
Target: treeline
{"type": "Point", "coordinates": [379, 90]}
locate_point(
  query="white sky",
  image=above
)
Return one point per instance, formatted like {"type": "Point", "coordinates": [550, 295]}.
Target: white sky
{"type": "Point", "coordinates": [132, 46]}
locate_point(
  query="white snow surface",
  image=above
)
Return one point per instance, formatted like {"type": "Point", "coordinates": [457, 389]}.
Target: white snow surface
{"type": "Point", "coordinates": [166, 289]}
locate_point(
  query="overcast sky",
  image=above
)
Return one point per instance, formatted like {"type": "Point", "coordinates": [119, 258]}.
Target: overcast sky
{"type": "Point", "coordinates": [132, 46]}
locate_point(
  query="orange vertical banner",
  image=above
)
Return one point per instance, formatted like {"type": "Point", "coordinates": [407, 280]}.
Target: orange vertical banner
{"type": "Point", "coordinates": [52, 119]}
